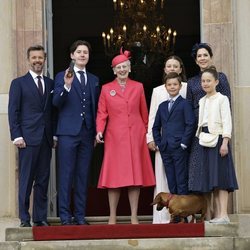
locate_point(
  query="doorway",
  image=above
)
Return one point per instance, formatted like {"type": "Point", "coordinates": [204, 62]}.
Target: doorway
{"type": "Point", "coordinates": [77, 19]}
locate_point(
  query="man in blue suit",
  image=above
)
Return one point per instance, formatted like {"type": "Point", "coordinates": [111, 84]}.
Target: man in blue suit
{"type": "Point", "coordinates": [173, 130]}
{"type": "Point", "coordinates": [31, 128]}
{"type": "Point", "coordinates": [76, 97]}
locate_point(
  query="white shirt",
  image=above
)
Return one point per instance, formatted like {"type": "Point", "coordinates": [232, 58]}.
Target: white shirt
{"type": "Point", "coordinates": [76, 69]}
{"type": "Point", "coordinates": [34, 76]}
{"type": "Point", "coordinates": [78, 75]}
{"type": "Point", "coordinates": [174, 98]}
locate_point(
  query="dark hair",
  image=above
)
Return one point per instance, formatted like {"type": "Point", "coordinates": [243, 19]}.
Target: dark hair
{"type": "Point", "coordinates": [198, 46]}
{"type": "Point", "coordinates": [183, 71]}
{"type": "Point", "coordinates": [172, 75]}
{"type": "Point", "coordinates": [212, 70]}
{"type": "Point", "coordinates": [35, 48]}
{"type": "Point", "coordinates": [77, 43]}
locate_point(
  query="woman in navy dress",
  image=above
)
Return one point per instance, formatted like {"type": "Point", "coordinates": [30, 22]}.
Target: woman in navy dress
{"type": "Point", "coordinates": [202, 54]}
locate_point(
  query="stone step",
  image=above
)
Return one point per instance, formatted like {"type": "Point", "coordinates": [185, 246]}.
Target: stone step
{"type": "Point", "coordinates": [235, 235]}
{"type": "Point", "coordinates": [211, 230]}
{"type": "Point", "coordinates": [206, 243]}
{"type": "Point", "coordinates": [229, 230]}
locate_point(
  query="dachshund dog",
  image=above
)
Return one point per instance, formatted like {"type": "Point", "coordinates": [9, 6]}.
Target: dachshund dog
{"type": "Point", "coordinates": [181, 205]}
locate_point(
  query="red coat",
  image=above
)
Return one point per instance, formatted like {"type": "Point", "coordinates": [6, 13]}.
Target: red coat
{"type": "Point", "coordinates": [123, 118]}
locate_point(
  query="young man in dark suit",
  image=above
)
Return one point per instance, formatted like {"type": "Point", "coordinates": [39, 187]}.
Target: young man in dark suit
{"type": "Point", "coordinates": [31, 128]}
{"type": "Point", "coordinates": [173, 130]}
{"type": "Point", "coordinates": [76, 96]}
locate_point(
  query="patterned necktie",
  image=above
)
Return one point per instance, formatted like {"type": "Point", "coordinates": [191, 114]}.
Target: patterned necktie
{"type": "Point", "coordinates": [82, 77]}
{"type": "Point", "coordinates": [40, 85]}
{"type": "Point", "coordinates": [170, 104]}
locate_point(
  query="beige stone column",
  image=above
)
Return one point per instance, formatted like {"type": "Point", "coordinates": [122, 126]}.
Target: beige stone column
{"type": "Point", "coordinates": [217, 30]}
{"type": "Point", "coordinates": [8, 70]}
{"type": "Point", "coordinates": [225, 25]}
{"type": "Point", "coordinates": [21, 25]}
{"type": "Point", "coordinates": [28, 29]}
{"type": "Point", "coordinates": [241, 14]}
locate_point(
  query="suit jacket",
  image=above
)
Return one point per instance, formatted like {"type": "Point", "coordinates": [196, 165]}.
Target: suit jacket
{"type": "Point", "coordinates": [160, 95]}
{"type": "Point", "coordinates": [69, 103]}
{"type": "Point", "coordinates": [29, 117]}
{"type": "Point", "coordinates": [174, 127]}
{"type": "Point", "coordinates": [219, 115]}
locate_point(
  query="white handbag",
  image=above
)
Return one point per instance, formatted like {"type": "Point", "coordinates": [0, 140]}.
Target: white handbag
{"type": "Point", "coordinates": [208, 140]}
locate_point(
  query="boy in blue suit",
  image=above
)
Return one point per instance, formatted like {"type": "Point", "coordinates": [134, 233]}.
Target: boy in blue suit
{"type": "Point", "coordinates": [173, 130]}
{"type": "Point", "coordinates": [76, 96]}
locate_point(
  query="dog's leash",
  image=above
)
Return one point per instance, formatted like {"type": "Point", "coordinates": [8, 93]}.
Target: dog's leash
{"type": "Point", "coordinates": [166, 204]}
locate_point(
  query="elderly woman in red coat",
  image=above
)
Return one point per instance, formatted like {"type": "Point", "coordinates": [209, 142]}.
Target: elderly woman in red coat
{"type": "Point", "coordinates": [122, 119]}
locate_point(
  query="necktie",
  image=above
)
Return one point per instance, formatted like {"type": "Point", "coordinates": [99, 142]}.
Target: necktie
{"type": "Point", "coordinates": [82, 77]}
{"type": "Point", "coordinates": [40, 85]}
{"type": "Point", "coordinates": [170, 105]}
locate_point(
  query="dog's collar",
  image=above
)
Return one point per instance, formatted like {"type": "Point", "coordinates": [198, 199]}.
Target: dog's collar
{"type": "Point", "coordinates": [166, 204]}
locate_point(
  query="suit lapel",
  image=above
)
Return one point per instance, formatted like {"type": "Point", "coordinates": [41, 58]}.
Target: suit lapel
{"type": "Point", "coordinates": [33, 88]}
{"type": "Point", "coordinates": [167, 111]}
{"type": "Point", "coordinates": [92, 86]}
{"type": "Point", "coordinates": [175, 104]}
{"type": "Point", "coordinates": [115, 86]}
{"type": "Point", "coordinates": [77, 86]}
{"type": "Point", "coordinates": [130, 87]}
{"type": "Point", "coordinates": [47, 91]}
{"type": "Point", "coordinates": [173, 107]}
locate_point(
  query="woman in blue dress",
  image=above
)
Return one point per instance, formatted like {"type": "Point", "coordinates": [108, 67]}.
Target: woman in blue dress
{"type": "Point", "coordinates": [203, 55]}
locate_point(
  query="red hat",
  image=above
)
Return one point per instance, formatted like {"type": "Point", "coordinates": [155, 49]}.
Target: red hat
{"type": "Point", "coordinates": [124, 56]}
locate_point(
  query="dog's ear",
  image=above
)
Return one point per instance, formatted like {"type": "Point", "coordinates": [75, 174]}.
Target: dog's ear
{"type": "Point", "coordinates": [153, 203]}
{"type": "Point", "coordinates": [156, 200]}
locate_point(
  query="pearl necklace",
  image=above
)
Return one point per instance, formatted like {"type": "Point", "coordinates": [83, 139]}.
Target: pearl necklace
{"type": "Point", "coordinates": [122, 85]}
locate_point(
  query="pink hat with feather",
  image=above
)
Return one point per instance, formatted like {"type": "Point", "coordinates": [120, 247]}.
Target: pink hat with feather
{"type": "Point", "coordinates": [124, 56]}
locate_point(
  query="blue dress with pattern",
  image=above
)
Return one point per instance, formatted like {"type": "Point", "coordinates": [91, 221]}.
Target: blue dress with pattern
{"type": "Point", "coordinates": [194, 94]}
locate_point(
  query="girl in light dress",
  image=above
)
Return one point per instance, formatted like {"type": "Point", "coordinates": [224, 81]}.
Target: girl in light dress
{"type": "Point", "coordinates": [216, 169]}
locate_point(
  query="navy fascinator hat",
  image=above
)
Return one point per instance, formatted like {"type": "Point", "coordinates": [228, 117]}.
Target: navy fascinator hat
{"type": "Point", "coordinates": [198, 46]}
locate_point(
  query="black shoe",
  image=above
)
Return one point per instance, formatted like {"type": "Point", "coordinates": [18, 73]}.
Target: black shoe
{"type": "Point", "coordinates": [177, 219]}
{"type": "Point", "coordinates": [83, 223]}
{"type": "Point", "coordinates": [25, 224]}
{"type": "Point", "coordinates": [66, 223]}
{"type": "Point", "coordinates": [80, 223]}
{"type": "Point", "coordinates": [41, 224]}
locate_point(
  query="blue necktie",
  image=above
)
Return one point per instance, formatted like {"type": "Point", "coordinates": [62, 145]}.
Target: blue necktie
{"type": "Point", "coordinates": [82, 77]}
{"type": "Point", "coordinates": [170, 104]}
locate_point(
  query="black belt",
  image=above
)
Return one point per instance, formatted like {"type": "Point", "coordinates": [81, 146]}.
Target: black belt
{"type": "Point", "coordinates": [205, 129]}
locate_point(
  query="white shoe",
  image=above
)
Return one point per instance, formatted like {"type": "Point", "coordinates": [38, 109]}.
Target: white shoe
{"type": "Point", "coordinates": [223, 220]}
{"type": "Point", "coordinates": [213, 220]}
